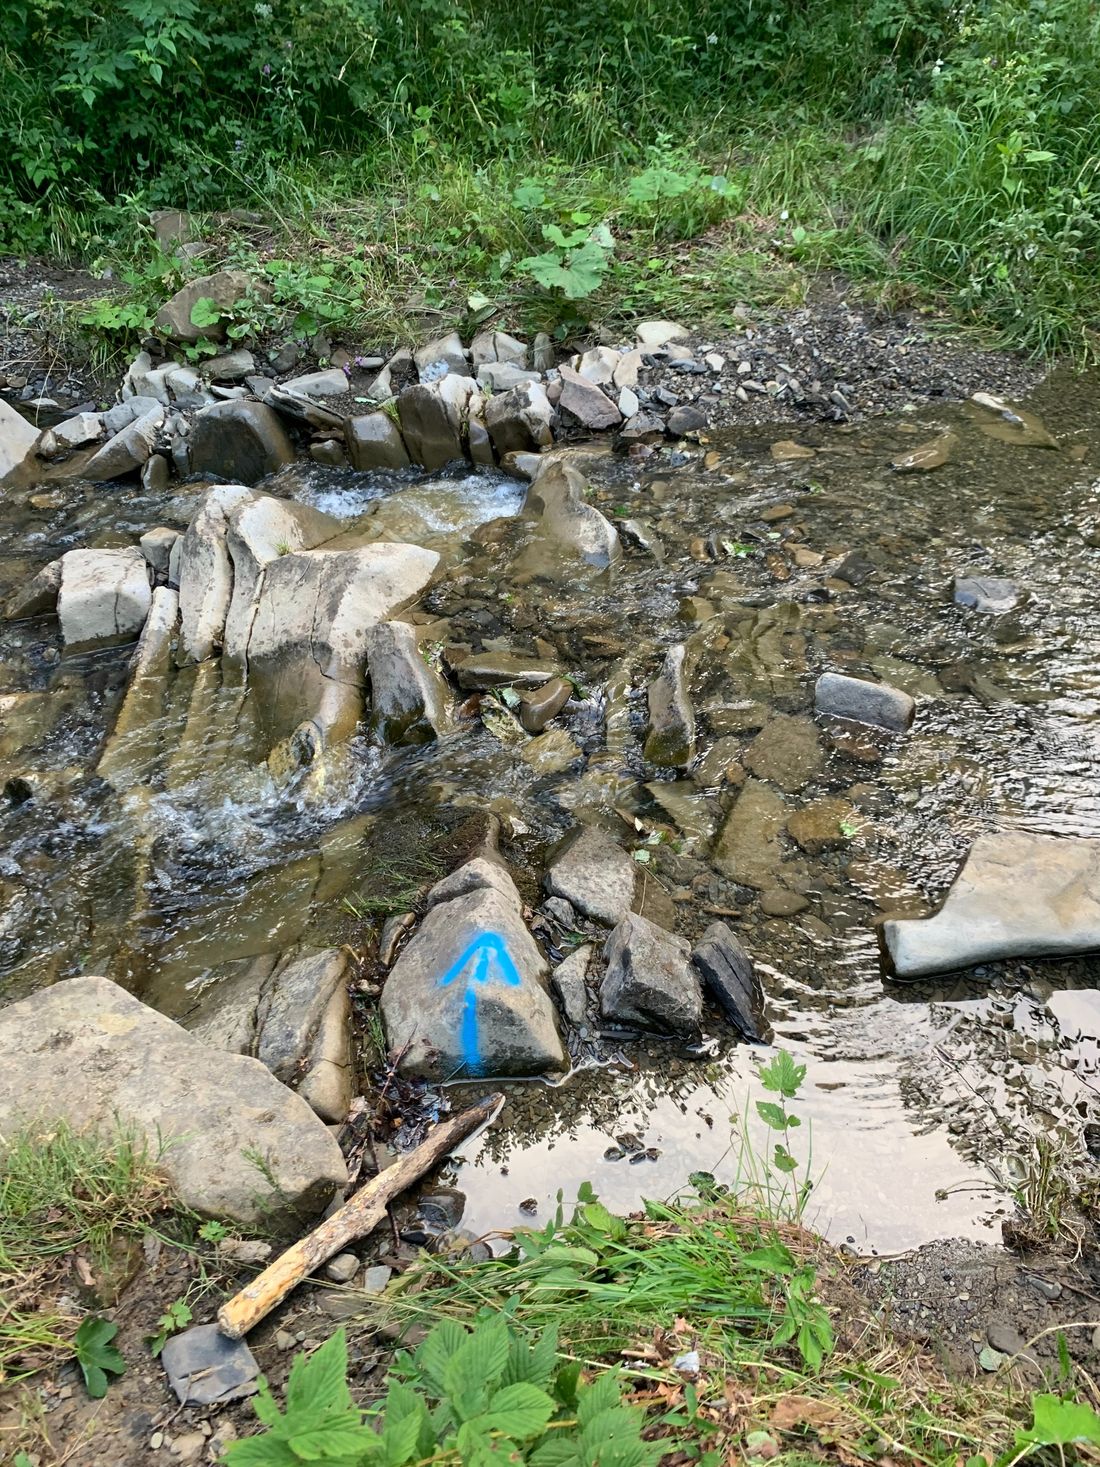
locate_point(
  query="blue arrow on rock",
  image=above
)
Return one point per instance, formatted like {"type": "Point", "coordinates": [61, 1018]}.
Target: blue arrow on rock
{"type": "Point", "coordinates": [486, 961]}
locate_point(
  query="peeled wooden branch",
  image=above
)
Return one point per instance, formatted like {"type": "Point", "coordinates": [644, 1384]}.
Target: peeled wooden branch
{"type": "Point", "coordinates": [354, 1220]}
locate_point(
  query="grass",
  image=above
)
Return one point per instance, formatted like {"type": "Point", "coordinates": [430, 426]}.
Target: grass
{"type": "Point", "coordinates": [69, 1205]}
{"type": "Point", "coordinates": [392, 886]}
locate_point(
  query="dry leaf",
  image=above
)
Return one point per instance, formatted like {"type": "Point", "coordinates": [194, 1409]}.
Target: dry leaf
{"type": "Point", "coordinates": [792, 1412]}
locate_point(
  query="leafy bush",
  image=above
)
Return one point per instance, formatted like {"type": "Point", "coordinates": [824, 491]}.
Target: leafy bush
{"type": "Point", "coordinates": [479, 1395]}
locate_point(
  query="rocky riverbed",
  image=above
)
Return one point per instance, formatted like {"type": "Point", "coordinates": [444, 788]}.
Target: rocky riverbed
{"type": "Point", "coordinates": [521, 723]}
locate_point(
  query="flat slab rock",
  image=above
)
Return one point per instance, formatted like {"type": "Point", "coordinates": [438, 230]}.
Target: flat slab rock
{"type": "Point", "coordinates": [87, 1052]}
{"type": "Point", "coordinates": [1016, 896]}
{"type": "Point", "coordinates": [595, 875]}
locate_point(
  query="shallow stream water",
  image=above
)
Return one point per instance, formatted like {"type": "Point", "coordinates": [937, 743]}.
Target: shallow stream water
{"type": "Point", "coordinates": [924, 1102]}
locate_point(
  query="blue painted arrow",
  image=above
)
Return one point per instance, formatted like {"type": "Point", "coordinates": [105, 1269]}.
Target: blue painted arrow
{"type": "Point", "coordinates": [485, 961]}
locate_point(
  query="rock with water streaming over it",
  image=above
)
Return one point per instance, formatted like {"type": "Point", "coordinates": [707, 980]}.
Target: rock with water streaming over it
{"type": "Point", "coordinates": [595, 875]}
{"type": "Point", "coordinates": [992, 594]}
{"type": "Point", "coordinates": [205, 574]}
{"type": "Point", "coordinates": [670, 736]}
{"type": "Point", "coordinates": [566, 527]}
{"type": "Point", "coordinates": [861, 701]}
{"type": "Point", "coordinates": [87, 1052]}
{"type": "Point", "coordinates": [38, 596]}
{"type": "Point", "coordinates": [104, 597]}
{"type": "Point", "coordinates": [468, 994]}
{"type": "Point", "coordinates": [749, 848]}
{"type": "Point", "coordinates": [1017, 895]}
{"type": "Point", "coordinates": [731, 979]}
{"type": "Point", "coordinates": [650, 983]}
{"type": "Point", "coordinates": [408, 698]}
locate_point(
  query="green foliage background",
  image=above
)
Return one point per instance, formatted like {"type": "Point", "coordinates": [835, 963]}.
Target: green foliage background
{"type": "Point", "coordinates": [953, 145]}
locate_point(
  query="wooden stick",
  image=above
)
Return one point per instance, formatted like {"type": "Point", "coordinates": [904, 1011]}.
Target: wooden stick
{"type": "Point", "coordinates": [354, 1220]}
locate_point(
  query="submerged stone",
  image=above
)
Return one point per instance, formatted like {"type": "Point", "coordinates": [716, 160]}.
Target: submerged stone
{"type": "Point", "coordinates": [786, 752]}
{"type": "Point", "coordinates": [748, 848]}
{"type": "Point", "coordinates": [991, 594]}
{"type": "Point", "coordinates": [1017, 895]}
{"type": "Point", "coordinates": [566, 527]}
{"type": "Point", "coordinates": [861, 701]}
{"type": "Point", "coordinates": [670, 737]}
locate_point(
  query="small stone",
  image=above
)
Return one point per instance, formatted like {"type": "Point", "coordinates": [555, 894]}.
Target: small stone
{"type": "Point", "coordinates": [686, 419]}
{"type": "Point", "coordinates": [540, 705]}
{"type": "Point", "coordinates": [1004, 1337]}
{"type": "Point", "coordinates": [822, 826]}
{"type": "Point", "coordinates": [284, 1340]}
{"type": "Point", "coordinates": [788, 451]}
{"type": "Point", "coordinates": [569, 983]}
{"type": "Point", "coordinates": [778, 902]}
{"type": "Point", "coordinates": [986, 593]}
{"type": "Point", "coordinates": [650, 983]}
{"type": "Point", "coordinates": [376, 1278]}
{"type": "Point", "coordinates": [777, 512]}
{"type": "Point", "coordinates": [1048, 1288]}
{"type": "Point", "coordinates": [862, 701]}
{"type": "Point", "coordinates": [342, 1269]}
{"type": "Point", "coordinates": [628, 402]}
{"type": "Point", "coordinates": [205, 1367]}
{"type": "Point", "coordinates": [156, 1441]}
{"type": "Point", "coordinates": [670, 738]}
{"type": "Point", "coordinates": [652, 335]}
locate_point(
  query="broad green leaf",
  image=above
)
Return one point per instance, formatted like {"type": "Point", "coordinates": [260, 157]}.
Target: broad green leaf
{"type": "Point", "coordinates": [555, 1451]}
{"type": "Point", "coordinates": [598, 1397]}
{"type": "Point", "coordinates": [95, 1354]}
{"type": "Point", "coordinates": [1060, 1423]}
{"type": "Point", "coordinates": [319, 1381]}
{"type": "Point", "coordinates": [773, 1114]}
{"type": "Point", "coordinates": [400, 1438]}
{"type": "Point", "coordinates": [479, 1361]}
{"type": "Point", "coordinates": [205, 313]}
{"type": "Point", "coordinates": [783, 1161]}
{"type": "Point", "coordinates": [344, 1436]}
{"type": "Point", "coordinates": [260, 1451]}
{"type": "Point", "coordinates": [597, 1216]}
{"type": "Point", "coordinates": [783, 1075]}
{"type": "Point", "coordinates": [774, 1258]}
{"type": "Point", "coordinates": [519, 1411]}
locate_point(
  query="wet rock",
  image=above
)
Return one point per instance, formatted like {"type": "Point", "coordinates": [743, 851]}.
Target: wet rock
{"type": "Point", "coordinates": [39, 596]}
{"type": "Point", "coordinates": [329, 453]}
{"type": "Point", "coordinates": [242, 442]}
{"type": "Point", "coordinates": [307, 646]}
{"type": "Point", "coordinates": [1017, 895]}
{"type": "Point", "coordinates": [468, 994]}
{"type": "Point", "coordinates": [479, 670]}
{"type": "Point", "coordinates": [786, 752]}
{"type": "Point", "coordinates": [686, 419]}
{"type": "Point", "coordinates": [479, 445]}
{"type": "Point", "coordinates": [748, 848]}
{"type": "Point", "coordinates": [303, 1023]}
{"type": "Point", "coordinates": [87, 1052]}
{"type": "Point", "coordinates": [130, 752]}
{"type": "Point", "coordinates": [731, 980]}
{"type": "Point", "coordinates": [786, 451]}
{"type": "Point", "coordinates": [821, 826]}
{"type": "Point", "coordinates": [670, 736]}
{"type": "Point", "coordinates": [595, 875]}
{"type": "Point", "coordinates": [569, 983]}
{"type": "Point", "coordinates": [205, 575]}
{"type": "Point", "coordinates": [520, 419]}
{"type": "Point", "coordinates": [564, 521]}
{"type": "Point", "coordinates": [156, 545]}
{"type": "Point", "coordinates": [225, 288]}
{"type": "Point", "coordinates": [777, 901]}
{"type": "Point", "coordinates": [206, 1368]}
{"type": "Point", "coordinates": [643, 428]}
{"type": "Point", "coordinates": [990, 594]}
{"type": "Point", "coordinates": [155, 474]}
{"type": "Point", "coordinates": [374, 442]}
{"type": "Point", "coordinates": [550, 752]}
{"type": "Point", "coordinates": [127, 450]}
{"type": "Point", "coordinates": [439, 358]}
{"type": "Point", "coordinates": [104, 597]}
{"type": "Point", "coordinates": [861, 701]}
{"type": "Point", "coordinates": [540, 705]}
{"type": "Point", "coordinates": [652, 335]}
{"type": "Point", "coordinates": [480, 874]}
{"type": "Point", "coordinates": [393, 930]}
{"type": "Point", "coordinates": [650, 983]}
{"type": "Point", "coordinates": [431, 419]}
{"type": "Point", "coordinates": [587, 402]}
{"type": "Point", "coordinates": [408, 698]}
{"type": "Point", "coordinates": [931, 455]}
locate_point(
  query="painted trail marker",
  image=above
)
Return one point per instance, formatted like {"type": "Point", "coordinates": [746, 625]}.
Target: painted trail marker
{"type": "Point", "coordinates": [484, 963]}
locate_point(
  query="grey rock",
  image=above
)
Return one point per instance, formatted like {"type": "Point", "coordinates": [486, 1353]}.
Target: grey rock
{"type": "Point", "coordinates": [230, 366]}
{"type": "Point", "coordinates": [520, 419]}
{"type": "Point", "coordinates": [307, 648]}
{"type": "Point", "coordinates": [129, 755]}
{"type": "Point", "coordinates": [595, 875]}
{"type": "Point", "coordinates": [628, 402]}
{"type": "Point", "coordinates": [127, 450]}
{"type": "Point", "coordinates": [990, 594]}
{"type": "Point", "coordinates": [204, 573]}
{"type": "Point", "coordinates": [375, 1279]}
{"type": "Point", "coordinates": [650, 983]}
{"type": "Point", "coordinates": [539, 705]}
{"type": "Point", "coordinates": [479, 874]}
{"type": "Point", "coordinates": [206, 1368]}
{"type": "Point", "coordinates": [561, 912]}
{"type": "Point", "coordinates": [374, 442]}
{"type": "Point", "coordinates": [440, 358]}
{"type": "Point", "coordinates": [643, 428]}
{"type": "Point", "coordinates": [78, 430]}
{"type": "Point", "coordinates": [468, 994]}
{"type": "Point", "coordinates": [787, 752]}
{"type": "Point", "coordinates": [104, 597]}
{"type": "Point", "coordinates": [686, 419]}
{"type": "Point", "coordinates": [123, 413]}
{"type": "Point", "coordinates": [38, 596]}
{"type": "Point", "coordinates": [408, 698]}
{"type": "Point", "coordinates": [503, 376]}
{"type": "Point", "coordinates": [1017, 895]}
{"type": "Point", "coordinates": [565, 522]}
{"type": "Point", "coordinates": [652, 335]}
{"type": "Point", "coordinates": [432, 419]}
{"type": "Point", "coordinates": [329, 383]}
{"type": "Point", "coordinates": [155, 474]}
{"type": "Point", "coordinates": [241, 442]}
{"type": "Point", "coordinates": [587, 402]}
{"type": "Point", "coordinates": [226, 288]}
{"type": "Point", "coordinates": [87, 1052]}
{"type": "Point", "coordinates": [307, 411]}
{"type": "Point", "coordinates": [329, 453]}
{"type": "Point", "coordinates": [569, 983]}
{"type": "Point", "coordinates": [542, 353]}
{"type": "Point", "coordinates": [729, 976]}
{"type": "Point", "coordinates": [627, 369]}
{"type": "Point", "coordinates": [498, 346]}
{"type": "Point", "coordinates": [292, 1036]}
{"type": "Point", "coordinates": [597, 365]}
{"type": "Point", "coordinates": [172, 227]}
{"type": "Point", "coordinates": [480, 670]}
{"type": "Point", "coordinates": [670, 736]}
{"type": "Point", "coordinates": [480, 445]}
{"type": "Point", "coordinates": [342, 1269]}
{"type": "Point", "coordinates": [863, 702]}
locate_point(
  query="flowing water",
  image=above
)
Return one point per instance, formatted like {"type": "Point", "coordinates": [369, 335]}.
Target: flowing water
{"type": "Point", "coordinates": [924, 1101]}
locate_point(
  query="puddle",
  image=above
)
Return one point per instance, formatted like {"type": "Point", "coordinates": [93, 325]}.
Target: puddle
{"type": "Point", "coordinates": [917, 1097]}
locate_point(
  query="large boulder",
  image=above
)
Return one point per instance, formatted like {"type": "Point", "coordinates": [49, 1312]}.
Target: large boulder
{"type": "Point", "coordinates": [104, 597]}
{"type": "Point", "coordinates": [127, 450]}
{"type": "Point", "coordinates": [432, 416]}
{"type": "Point", "coordinates": [307, 647]}
{"type": "Point", "coordinates": [1017, 896]}
{"type": "Point", "coordinates": [17, 439]}
{"type": "Point", "coordinates": [408, 698]}
{"type": "Point", "coordinates": [440, 358]}
{"type": "Point", "coordinates": [206, 575]}
{"type": "Point", "coordinates": [133, 746]}
{"type": "Point", "coordinates": [374, 442]}
{"type": "Point", "coordinates": [234, 1142]}
{"type": "Point", "coordinates": [650, 983]}
{"type": "Point", "coordinates": [468, 994]}
{"type": "Point", "coordinates": [596, 875]}
{"type": "Point", "coordinates": [225, 288]}
{"type": "Point", "coordinates": [242, 442]}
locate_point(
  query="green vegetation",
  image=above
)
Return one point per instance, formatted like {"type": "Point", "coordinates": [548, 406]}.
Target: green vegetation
{"type": "Point", "coordinates": [564, 162]}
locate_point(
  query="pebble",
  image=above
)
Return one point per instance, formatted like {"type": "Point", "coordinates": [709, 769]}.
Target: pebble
{"type": "Point", "coordinates": [156, 1441]}
{"type": "Point", "coordinates": [284, 1340]}
{"type": "Point", "coordinates": [1048, 1288]}
{"type": "Point", "coordinates": [375, 1279]}
{"type": "Point", "coordinates": [1004, 1338]}
{"type": "Point", "coordinates": [781, 903]}
{"type": "Point", "coordinates": [342, 1268]}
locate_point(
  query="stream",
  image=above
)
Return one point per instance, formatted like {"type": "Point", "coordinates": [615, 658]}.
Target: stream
{"type": "Point", "coordinates": [924, 1103]}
